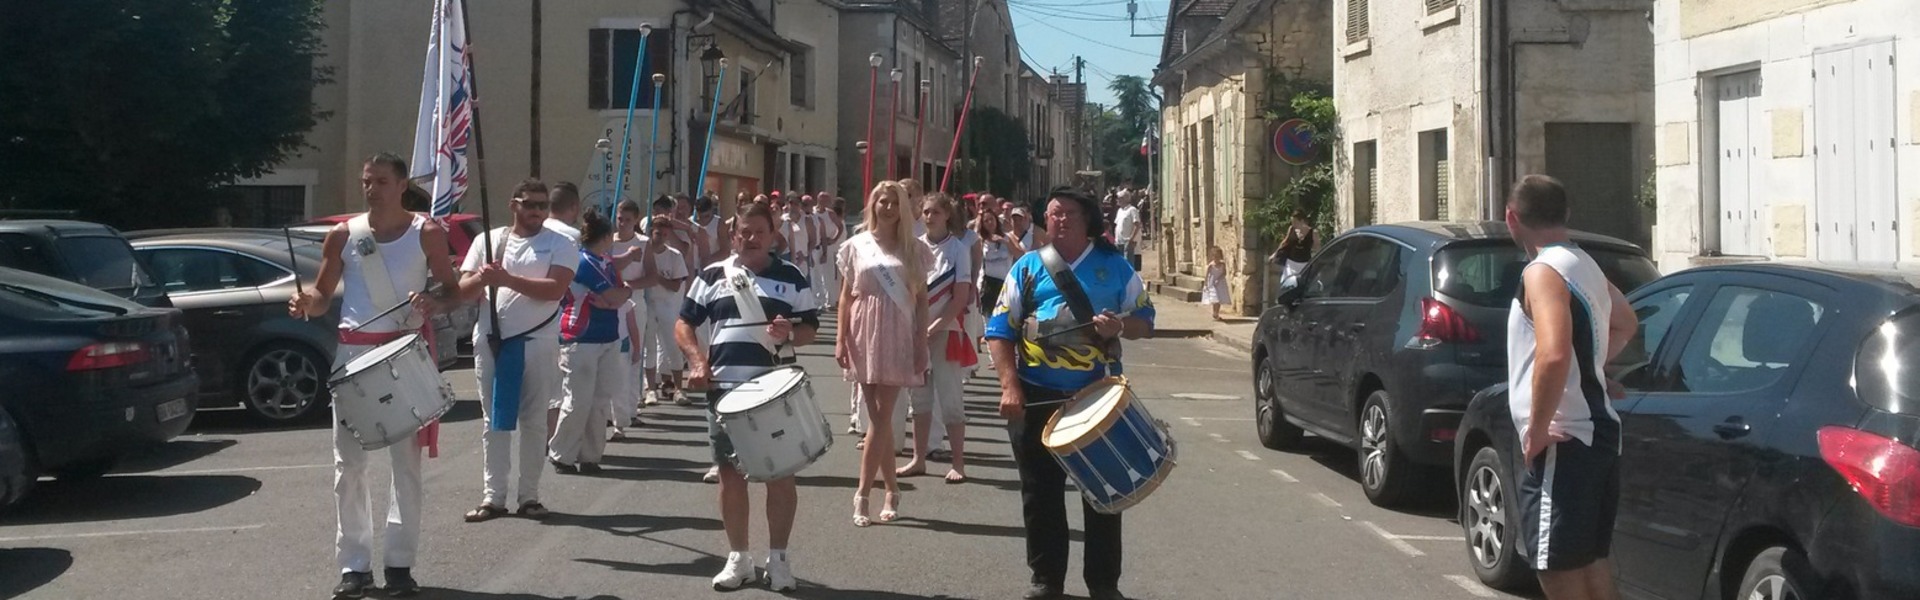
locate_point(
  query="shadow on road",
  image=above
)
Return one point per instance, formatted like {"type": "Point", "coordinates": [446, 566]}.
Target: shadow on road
{"type": "Point", "coordinates": [171, 454]}
{"type": "Point", "coordinates": [29, 568]}
{"type": "Point", "coordinates": [910, 521]}
{"type": "Point", "coordinates": [1437, 503]}
{"type": "Point", "coordinates": [704, 567]}
{"type": "Point", "coordinates": [128, 497]}
{"type": "Point", "coordinates": [434, 593]}
{"type": "Point", "coordinates": [635, 525]}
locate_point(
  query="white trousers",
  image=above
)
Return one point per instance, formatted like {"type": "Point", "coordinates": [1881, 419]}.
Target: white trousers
{"type": "Point", "coordinates": [826, 277]}
{"type": "Point", "coordinates": [540, 382]}
{"type": "Point", "coordinates": [353, 501]}
{"type": "Point", "coordinates": [626, 403]}
{"type": "Point", "coordinates": [662, 313]}
{"type": "Point", "coordinates": [594, 377]}
{"type": "Point", "coordinates": [942, 397]}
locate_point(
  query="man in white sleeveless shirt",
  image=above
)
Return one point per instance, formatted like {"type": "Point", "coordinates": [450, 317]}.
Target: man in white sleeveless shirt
{"type": "Point", "coordinates": [1566, 323]}
{"type": "Point", "coordinates": [384, 257]}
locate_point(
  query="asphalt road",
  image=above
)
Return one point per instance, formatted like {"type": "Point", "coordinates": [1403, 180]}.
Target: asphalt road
{"type": "Point", "coordinates": [233, 511]}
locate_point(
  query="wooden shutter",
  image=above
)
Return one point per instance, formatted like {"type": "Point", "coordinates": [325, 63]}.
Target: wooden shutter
{"type": "Point", "coordinates": [1434, 6]}
{"type": "Point", "coordinates": [598, 54]}
{"type": "Point", "coordinates": [1356, 20]}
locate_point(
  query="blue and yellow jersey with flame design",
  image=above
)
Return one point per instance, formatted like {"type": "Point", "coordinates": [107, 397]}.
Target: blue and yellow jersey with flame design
{"type": "Point", "coordinates": [1067, 362]}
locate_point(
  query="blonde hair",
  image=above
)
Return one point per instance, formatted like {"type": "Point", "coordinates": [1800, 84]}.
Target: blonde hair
{"type": "Point", "coordinates": [914, 191]}
{"type": "Point", "coordinates": [909, 249]}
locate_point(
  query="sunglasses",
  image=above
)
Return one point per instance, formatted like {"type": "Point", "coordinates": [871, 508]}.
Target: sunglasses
{"type": "Point", "coordinates": [534, 204]}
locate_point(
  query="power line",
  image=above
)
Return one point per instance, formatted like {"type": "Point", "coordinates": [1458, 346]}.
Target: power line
{"type": "Point", "coordinates": [1094, 41]}
{"type": "Point", "coordinates": [1031, 3]}
{"type": "Point", "coordinates": [1071, 15]}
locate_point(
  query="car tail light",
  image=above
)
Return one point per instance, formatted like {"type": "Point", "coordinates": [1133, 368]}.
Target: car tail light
{"type": "Point", "coordinates": [1884, 471]}
{"type": "Point", "coordinates": [1441, 323]}
{"type": "Point", "coordinates": [107, 355]}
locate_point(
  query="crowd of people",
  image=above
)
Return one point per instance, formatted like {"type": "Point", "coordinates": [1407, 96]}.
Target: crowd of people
{"type": "Point", "coordinates": [638, 307]}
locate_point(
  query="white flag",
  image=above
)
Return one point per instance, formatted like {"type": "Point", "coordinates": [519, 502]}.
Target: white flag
{"type": "Point", "coordinates": [444, 131]}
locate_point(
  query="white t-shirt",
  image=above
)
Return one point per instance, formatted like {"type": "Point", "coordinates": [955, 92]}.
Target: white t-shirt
{"type": "Point", "coordinates": [1125, 221]}
{"type": "Point", "coordinates": [950, 262]}
{"type": "Point", "coordinates": [798, 244]}
{"type": "Point", "coordinates": [668, 264]}
{"type": "Point", "coordinates": [996, 258]}
{"type": "Point", "coordinates": [637, 302]}
{"type": "Point", "coordinates": [525, 257]}
{"type": "Point", "coordinates": [572, 233]}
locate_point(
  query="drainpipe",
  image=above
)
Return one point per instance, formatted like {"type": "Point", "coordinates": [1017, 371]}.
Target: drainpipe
{"type": "Point", "coordinates": [1495, 101]}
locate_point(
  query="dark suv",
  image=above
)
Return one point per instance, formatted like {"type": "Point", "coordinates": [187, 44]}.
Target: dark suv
{"type": "Point", "coordinates": [1387, 334]}
{"type": "Point", "coordinates": [91, 254]}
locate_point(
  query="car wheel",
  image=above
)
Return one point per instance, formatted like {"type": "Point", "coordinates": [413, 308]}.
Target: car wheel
{"type": "Point", "coordinates": [91, 468]}
{"type": "Point", "coordinates": [1268, 416]}
{"type": "Point", "coordinates": [283, 383]}
{"type": "Point", "coordinates": [1778, 573]}
{"type": "Point", "coordinates": [1387, 476]}
{"type": "Point", "coordinates": [1488, 522]}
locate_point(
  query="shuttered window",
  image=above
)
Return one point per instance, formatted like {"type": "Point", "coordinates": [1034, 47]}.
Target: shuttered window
{"type": "Point", "coordinates": [1434, 6]}
{"type": "Point", "coordinates": [1357, 20]}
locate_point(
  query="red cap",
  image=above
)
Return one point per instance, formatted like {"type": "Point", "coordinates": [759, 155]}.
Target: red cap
{"type": "Point", "coordinates": [776, 194]}
{"type": "Point", "coordinates": [970, 196]}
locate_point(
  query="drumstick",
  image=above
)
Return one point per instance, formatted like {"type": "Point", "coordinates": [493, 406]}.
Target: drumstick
{"type": "Point", "coordinates": [1081, 326]}
{"type": "Point", "coordinates": [383, 314]}
{"type": "Point", "coordinates": [293, 262]}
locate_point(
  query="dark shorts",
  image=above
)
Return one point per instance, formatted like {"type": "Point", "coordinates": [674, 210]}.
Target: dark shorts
{"type": "Point", "coordinates": [717, 437]}
{"type": "Point", "coordinates": [1568, 498]}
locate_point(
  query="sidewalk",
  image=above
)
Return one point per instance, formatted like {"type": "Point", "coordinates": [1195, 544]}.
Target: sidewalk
{"type": "Point", "coordinates": [1177, 318]}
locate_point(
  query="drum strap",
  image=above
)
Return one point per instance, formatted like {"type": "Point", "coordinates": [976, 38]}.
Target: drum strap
{"type": "Point", "coordinates": [373, 267]}
{"type": "Point", "coordinates": [1068, 284]}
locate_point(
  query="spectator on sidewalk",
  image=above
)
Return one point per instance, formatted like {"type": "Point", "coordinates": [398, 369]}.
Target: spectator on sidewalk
{"type": "Point", "coordinates": [1214, 292]}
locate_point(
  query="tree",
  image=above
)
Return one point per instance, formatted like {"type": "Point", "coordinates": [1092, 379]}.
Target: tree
{"type": "Point", "coordinates": [137, 112]}
{"type": "Point", "coordinates": [1116, 146]}
{"type": "Point", "coordinates": [1133, 100]}
{"type": "Point", "coordinates": [997, 152]}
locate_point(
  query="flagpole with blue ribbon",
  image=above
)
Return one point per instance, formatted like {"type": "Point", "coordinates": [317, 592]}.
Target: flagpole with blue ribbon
{"type": "Point", "coordinates": [626, 140]}
{"type": "Point", "coordinates": [713, 118]}
{"type": "Point", "coordinates": [653, 143]}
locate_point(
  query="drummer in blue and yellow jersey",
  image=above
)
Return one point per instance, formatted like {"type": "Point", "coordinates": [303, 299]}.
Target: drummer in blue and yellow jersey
{"type": "Point", "coordinates": [1052, 368]}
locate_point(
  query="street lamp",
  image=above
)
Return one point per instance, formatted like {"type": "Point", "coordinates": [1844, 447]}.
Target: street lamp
{"type": "Point", "coordinates": [893, 119]}
{"type": "Point", "coordinates": [873, 87]}
{"type": "Point", "coordinates": [710, 61]}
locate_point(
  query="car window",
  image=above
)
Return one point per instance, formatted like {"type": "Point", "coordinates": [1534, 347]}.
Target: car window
{"type": "Point", "coordinates": [102, 262]}
{"type": "Point", "coordinates": [188, 270]}
{"type": "Point", "coordinates": [1488, 274]}
{"type": "Point", "coordinates": [24, 253]}
{"type": "Point", "coordinates": [1883, 368]}
{"type": "Point", "coordinates": [1747, 338]}
{"type": "Point", "coordinates": [1320, 273]}
{"type": "Point", "coordinates": [256, 272]}
{"type": "Point", "coordinates": [1371, 270]}
{"type": "Point", "coordinates": [1656, 313]}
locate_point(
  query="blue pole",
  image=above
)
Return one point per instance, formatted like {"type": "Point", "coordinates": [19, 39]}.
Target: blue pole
{"type": "Point", "coordinates": [626, 140]}
{"type": "Point", "coordinates": [653, 154]}
{"type": "Point", "coordinates": [713, 117]}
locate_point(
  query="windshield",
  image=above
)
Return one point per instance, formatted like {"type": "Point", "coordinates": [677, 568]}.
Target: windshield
{"type": "Point", "coordinates": [102, 262]}
{"type": "Point", "coordinates": [1489, 274]}
{"type": "Point", "coordinates": [27, 295]}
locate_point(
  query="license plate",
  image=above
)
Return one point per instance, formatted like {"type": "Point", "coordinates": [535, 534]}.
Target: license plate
{"type": "Point", "coordinates": [171, 409]}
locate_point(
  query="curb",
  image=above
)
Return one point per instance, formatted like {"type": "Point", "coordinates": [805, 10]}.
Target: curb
{"type": "Point", "coordinates": [1243, 344]}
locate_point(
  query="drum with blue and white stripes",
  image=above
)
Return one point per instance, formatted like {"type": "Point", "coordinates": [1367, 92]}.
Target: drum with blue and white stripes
{"type": "Point", "coordinates": [1114, 450]}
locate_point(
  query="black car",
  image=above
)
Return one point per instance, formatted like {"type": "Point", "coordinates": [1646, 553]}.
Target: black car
{"type": "Point", "coordinates": [92, 254]}
{"type": "Point", "coordinates": [89, 376]}
{"type": "Point", "coordinates": [233, 286]}
{"type": "Point", "coordinates": [1769, 441]}
{"type": "Point", "coordinates": [1387, 334]}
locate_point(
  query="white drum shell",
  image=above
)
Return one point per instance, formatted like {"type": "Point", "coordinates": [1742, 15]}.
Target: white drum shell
{"type": "Point", "coordinates": [781, 430]}
{"type": "Point", "coordinates": [392, 391]}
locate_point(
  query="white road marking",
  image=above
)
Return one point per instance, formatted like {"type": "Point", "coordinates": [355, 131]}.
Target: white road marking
{"type": "Point", "coordinates": [1396, 542]}
{"type": "Point", "coordinates": [1432, 538]}
{"type": "Point", "coordinates": [1191, 421]}
{"type": "Point", "coordinates": [1247, 455]}
{"type": "Point", "coordinates": [1200, 396]}
{"type": "Point", "coordinates": [68, 536]}
{"type": "Point", "coordinates": [1284, 476]}
{"type": "Point", "coordinates": [232, 470]}
{"type": "Point", "coordinates": [1222, 352]}
{"type": "Point", "coordinates": [1184, 368]}
{"type": "Point", "coordinates": [1217, 437]}
{"type": "Point", "coordinates": [1242, 419]}
{"type": "Point", "coordinates": [1471, 586]}
{"type": "Point", "coordinates": [1325, 499]}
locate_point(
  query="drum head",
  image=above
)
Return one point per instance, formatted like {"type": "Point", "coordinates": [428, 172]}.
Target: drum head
{"type": "Point", "coordinates": [381, 353]}
{"type": "Point", "coordinates": [761, 389]}
{"type": "Point", "coordinates": [1089, 415]}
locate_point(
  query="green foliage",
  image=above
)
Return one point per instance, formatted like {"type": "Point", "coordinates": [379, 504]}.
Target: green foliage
{"type": "Point", "coordinates": [997, 152]}
{"type": "Point", "coordinates": [137, 112]}
{"type": "Point", "coordinates": [1312, 186]}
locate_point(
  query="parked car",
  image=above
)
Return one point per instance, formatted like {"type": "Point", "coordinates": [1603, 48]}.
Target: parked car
{"type": "Point", "coordinates": [234, 285]}
{"type": "Point", "coordinates": [1387, 334]}
{"type": "Point", "coordinates": [462, 231]}
{"type": "Point", "coordinates": [1769, 441]}
{"type": "Point", "coordinates": [92, 254]}
{"type": "Point", "coordinates": [89, 377]}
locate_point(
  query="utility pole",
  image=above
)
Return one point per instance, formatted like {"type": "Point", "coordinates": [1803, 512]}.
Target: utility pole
{"type": "Point", "coordinates": [1080, 113]}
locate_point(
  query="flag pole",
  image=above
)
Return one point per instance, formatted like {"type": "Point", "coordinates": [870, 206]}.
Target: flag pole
{"type": "Point", "coordinates": [713, 118]}
{"type": "Point", "coordinates": [626, 140]}
{"type": "Point", "coordinates": [653, 143]}
{"type": "Point", "coordinates": [893, 120]}
{"type": "Point", "coordinates": [965, 107]}
{"type": "Point", "coordinates": [873, 86]}
{"type": "Point", "coordinates": [480, 173]}
{"type": "Point", "coordinates": [919, 128]}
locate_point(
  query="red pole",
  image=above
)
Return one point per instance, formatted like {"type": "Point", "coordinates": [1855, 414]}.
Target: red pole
{"type": "Point", "coordinates": [873, 88]}
{"type": "Point", "coordinates": [893, 121]}
{"type": "Point", "coordinates": [919, 127]}
{"type": "Point", "coordinates": [965, 107]}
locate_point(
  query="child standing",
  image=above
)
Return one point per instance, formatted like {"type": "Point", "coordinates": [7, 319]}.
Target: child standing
{"type": "Point", "coordinates": [1214, 292]}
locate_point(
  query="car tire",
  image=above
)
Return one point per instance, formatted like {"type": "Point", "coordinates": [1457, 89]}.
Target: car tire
{"type": "Point", "coordinates": [1270, 419]}
{"type": "Point", "coordinates": [1779, 573]}
{"type": "Point", "coordinates": [283, 383]}
{"type": "Point", "coordinates": [1387, 476]}
{"type": "Point", "coordinates": [1488, 509]}
{"type": "Point", "coordinates": [83, 470]}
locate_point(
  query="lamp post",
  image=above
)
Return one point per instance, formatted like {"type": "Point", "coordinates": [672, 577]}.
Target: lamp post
{"type": "Point", "coordinates": [861, 147]}
{"type": "Point", "coordinates": [893, 119]}
{"type": "Point", "coordinates": [873, 87]}
{"type": "Point", "coordinates": [919, 126]}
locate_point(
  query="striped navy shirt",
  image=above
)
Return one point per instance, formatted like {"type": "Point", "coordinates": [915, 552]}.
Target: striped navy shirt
{"type": "Point", "coordinates": [736, 354]}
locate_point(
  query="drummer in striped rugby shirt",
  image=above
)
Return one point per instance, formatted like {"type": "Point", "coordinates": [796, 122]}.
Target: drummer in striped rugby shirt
{"type": "Point", "coordinates": [740, 351]}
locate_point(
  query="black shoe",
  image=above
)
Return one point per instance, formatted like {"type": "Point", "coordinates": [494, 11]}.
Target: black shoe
{"type": "Point", "coordinates": [1106, 594]}
{"type": "Point", "coordinates": [353, 584]}
{"type": "Point", "coordinates": [564, 468]}
{"type": "Point", "coordinates": [400, 583]}
{"type": "Point", "coordinates": [1041, 591]}
{"type": "Point", "coordinates": [589, 468]}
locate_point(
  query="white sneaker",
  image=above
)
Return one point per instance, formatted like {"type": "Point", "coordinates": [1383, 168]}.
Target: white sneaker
{"type": "Point", "coordinates": [780, 575]}
{"type": "Point", "coordinates": [738, 572]}
{"type": "Point", "coordinates": [713, 474]}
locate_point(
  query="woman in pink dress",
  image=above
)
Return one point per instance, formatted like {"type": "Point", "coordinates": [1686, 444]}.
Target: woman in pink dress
{"type": "Point", "coordinates": [883, 295]}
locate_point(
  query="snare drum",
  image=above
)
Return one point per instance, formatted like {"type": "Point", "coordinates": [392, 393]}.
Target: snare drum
{"type": "Point", "coordinates": [390, 392]}
{"type": "Point", "coordinates": [1113, 448]}
{"type": "Point", "coordinates": [776, 427]}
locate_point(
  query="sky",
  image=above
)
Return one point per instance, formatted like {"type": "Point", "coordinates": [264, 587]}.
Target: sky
{"type": "Point", "coordinates": [1051, 32]}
